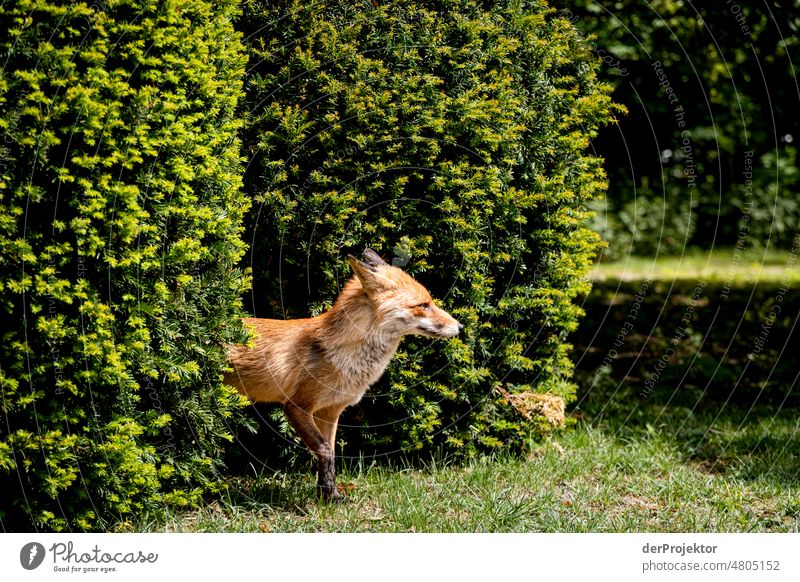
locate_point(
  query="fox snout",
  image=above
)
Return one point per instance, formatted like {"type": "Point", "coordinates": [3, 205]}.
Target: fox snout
{"type": "Point", "coordinates": [439, 324]}
{"type": "Point", "coordinates": [451, 330]}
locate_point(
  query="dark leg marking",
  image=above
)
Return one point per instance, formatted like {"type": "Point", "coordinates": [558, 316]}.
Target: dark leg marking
{"type": "Point", "coordinates": [303, 423]}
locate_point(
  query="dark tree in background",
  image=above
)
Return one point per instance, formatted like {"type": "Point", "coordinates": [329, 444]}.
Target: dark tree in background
{"type": "Point", "coordinates": [706, 154]}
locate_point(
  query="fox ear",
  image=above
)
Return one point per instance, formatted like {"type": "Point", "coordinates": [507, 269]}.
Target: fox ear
{"type": "Point", "coordinates": [359, 266]}
{"type": "Point", "coordinates": [367, 273]}
{"type": "Point", "coordinates": [373, 259]}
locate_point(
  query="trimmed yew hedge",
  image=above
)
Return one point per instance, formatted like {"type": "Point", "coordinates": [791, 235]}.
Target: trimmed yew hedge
{"type": "Point", "coordinates": [452, 137]}
{"type": "Point", "coordinates": [119, 251]}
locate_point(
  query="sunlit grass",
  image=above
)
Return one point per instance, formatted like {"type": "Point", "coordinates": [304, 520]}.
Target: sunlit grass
{"type": "Point", "coordinates": [721, 264]}
{"type": "Point", "coordinates": [603, 478]}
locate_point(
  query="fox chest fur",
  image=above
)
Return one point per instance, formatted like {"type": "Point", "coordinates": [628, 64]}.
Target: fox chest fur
{"type": "Point", "coordinates": [359, 365]}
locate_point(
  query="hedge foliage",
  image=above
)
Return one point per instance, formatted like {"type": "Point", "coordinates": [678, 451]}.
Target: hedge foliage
{"type": "Point", "coordinates": [119, 250]}
{"type": "Point", "coordinates": [451, 136]}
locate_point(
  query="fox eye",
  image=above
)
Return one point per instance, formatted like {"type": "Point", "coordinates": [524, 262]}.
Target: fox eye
{"type": "Point", "coordinates": [425, 305]}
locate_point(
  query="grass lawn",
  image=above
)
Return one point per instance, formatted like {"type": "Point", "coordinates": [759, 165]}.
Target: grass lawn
{"type": "Point", "coordinates": [702, 452]}
{"type": "Point", "coordinates": [664, 470]}
{"type": "Point", "coordinates": [748, 266]}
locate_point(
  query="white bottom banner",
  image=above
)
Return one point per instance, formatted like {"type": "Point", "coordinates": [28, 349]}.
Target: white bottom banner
{"type": "Point", "coordinates": [356, 557]}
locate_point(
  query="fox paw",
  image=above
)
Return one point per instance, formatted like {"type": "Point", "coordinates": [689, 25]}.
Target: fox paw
{"type": "Point", "coordinates": [335, 494]}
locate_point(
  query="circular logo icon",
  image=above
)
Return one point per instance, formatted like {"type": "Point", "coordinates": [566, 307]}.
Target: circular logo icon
{"type": "Point", "coordinates": [31, 555]}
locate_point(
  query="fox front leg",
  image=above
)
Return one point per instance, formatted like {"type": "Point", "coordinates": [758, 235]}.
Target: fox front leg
{"type": "Point", "coordinates": [303, 423]}
{"type": "Point", "coordinates": [327, 420]}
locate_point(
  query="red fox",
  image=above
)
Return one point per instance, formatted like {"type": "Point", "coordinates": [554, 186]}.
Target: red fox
{"type": "Point", "coordinates": [319, 366]}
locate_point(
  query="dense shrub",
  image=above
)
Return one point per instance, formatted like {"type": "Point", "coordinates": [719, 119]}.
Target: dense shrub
{"type": "Point", "coordinates": [451, 137]}
{"type": "Point", "coordinates": [119, 251]}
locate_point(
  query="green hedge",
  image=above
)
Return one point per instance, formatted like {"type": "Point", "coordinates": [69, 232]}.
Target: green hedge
{"type": "Point", "coordinates": [451, 137]}
{"type": "Point", "coordinates": [119, 244]}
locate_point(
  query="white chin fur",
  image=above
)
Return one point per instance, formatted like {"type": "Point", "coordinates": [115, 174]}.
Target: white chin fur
{"type": "Point", "coordinates": [446, 332]}
{"type": "Point", "coordinates": [450, 331]}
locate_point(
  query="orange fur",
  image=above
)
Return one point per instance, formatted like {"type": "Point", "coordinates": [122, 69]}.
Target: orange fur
{"type": "Point", "coordinates": [317, 367]}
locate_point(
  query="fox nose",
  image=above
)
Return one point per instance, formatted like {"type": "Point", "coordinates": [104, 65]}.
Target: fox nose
{"type": "Point", "coordinates": [460, 328]}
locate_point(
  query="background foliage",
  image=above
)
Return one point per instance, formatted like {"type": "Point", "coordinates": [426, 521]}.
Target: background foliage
{"type": "Point", "coordinates": [119, 244]}
{"type": "Point", "coordinates": [729, 68]}
{"type": "Point", "coordinates": [451, 137]}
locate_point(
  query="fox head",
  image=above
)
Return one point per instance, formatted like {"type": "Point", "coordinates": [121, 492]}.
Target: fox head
{"type": "Point", "coordinates": [403, 306]}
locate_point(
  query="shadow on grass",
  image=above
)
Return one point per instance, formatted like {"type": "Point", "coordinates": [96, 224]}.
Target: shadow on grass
{"type": "Point", "coordinates": [707, 364]}
{"type": "Point", "coordinates": [290, 492]}
{"type": "Point", "coordinates": [754, 440]}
